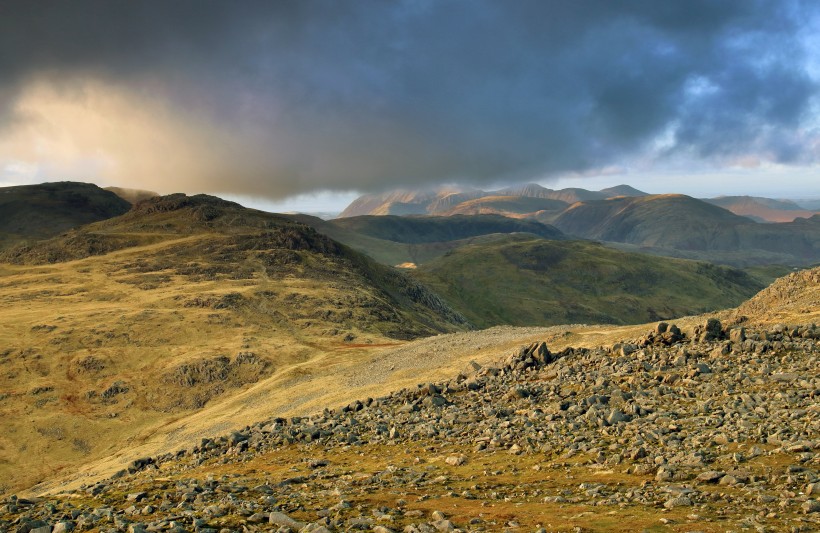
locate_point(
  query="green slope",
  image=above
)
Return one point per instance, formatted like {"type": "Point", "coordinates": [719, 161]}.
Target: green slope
{"type": "Point", "coordinates": [440, 229]}
{"type": "Point", "coordinates": [393, 240]}
{"type": "Point", "coordinates": [523, 280]}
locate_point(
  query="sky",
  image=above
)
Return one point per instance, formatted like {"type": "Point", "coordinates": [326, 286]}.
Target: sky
{"type": "Point", "coordinates": [307, 103]}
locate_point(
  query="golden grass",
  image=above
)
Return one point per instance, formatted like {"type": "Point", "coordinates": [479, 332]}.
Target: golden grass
{"type": "Point", "coordinates": [70, 329]}
{"type": "Point", "coordinates": [521, 488]}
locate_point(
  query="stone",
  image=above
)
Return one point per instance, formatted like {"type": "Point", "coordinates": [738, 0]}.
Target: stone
{"type": "Point", "coordinates": [710, 476]}
{"type": "Point", "coordinates": [810, 506]}
{"type": "Point", "coordinates": [64, 526]}
{"type": "Point", "coordinates": [258, 518]}
{"type": "Point", "coordinates": [616, 416]}
{"type": "Point", "coordinates": [678, 501]}
{"type": "Point", "coordinates": [283, 520]}
{"type": "Point", "coordinates": [737, 335]}
{"type": "Point", "coordinates": [456, 460]}
{"type": "Point", "coordinates": [443, 525]}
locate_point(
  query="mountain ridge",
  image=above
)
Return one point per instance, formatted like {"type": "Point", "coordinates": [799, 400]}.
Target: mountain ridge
{"type": "Point", "coordinates": [34, 212]}
{"type": "Point", "coordinates": [444, 200]}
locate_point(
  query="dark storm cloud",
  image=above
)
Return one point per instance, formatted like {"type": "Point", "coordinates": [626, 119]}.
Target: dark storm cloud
{"type": "Point", "coordinates": [373, 94]}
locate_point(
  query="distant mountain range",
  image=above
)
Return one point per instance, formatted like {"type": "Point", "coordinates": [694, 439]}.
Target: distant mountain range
{"type": "Point", "coordinates": [449, 201]}
{"type": "Point", "coordinates": [726, 229]}
{"type": "Point", "coordinates": [541, 203]}
{"type": "Point", "coordinates": [685, 224]}
{"type": "Point", "coordinates": [763, 209]}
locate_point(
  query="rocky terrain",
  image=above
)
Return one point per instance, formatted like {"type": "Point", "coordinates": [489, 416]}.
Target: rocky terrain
{"type": "Point", "coordinates": [712, 431]}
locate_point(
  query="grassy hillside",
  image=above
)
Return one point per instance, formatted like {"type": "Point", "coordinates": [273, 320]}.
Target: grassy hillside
{"type": "Point", "coordinates": [393, 240]}
{"type": "Point", "coordinates": [439, 229]}
{"type": "Point", "coordinates": [33, 212]}
{"type": "Point", "coordinates": [524, 280]}
{"type": "Point", "coordinates": [126, 325]}
{"type": "Point", "coordinates": [680, 223]}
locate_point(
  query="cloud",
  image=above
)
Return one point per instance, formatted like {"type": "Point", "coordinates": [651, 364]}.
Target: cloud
{"type": "Point", "coordinates": [281, 98]}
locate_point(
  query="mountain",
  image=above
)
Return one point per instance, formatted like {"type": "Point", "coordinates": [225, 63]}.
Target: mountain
{"type": "Point", "coordinates": [401, 202]}
{"type": "Point", "coordinates": [509, 206]}
{"type": "Point", "coordinates": [120, 327]}
{"type": "Point", "coordinates": [678, 222]}
{"type": "Point", "coordinates": [809, 204]}
{"type": "Point", "coordinates": [132, 196]}
{"type": "Point", "coordinates": [762, 209]}
{"type": "Point", "coordinates": [33, 212]}
{"type": "Point", "coordinates": [622, 190]}
{"type": "Point", "coordinates": [447, 201]}
{"type": "Point", "coordinates": [530, 190]}
{"type": "Point", "coordinates": [522, 280]}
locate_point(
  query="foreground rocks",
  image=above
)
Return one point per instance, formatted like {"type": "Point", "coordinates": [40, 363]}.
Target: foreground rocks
{"type": "Point", "coordinates": [716, 432]}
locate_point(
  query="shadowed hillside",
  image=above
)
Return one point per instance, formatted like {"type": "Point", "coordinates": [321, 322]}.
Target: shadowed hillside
{"type": "Point", "coordinates": [521, 280]}
{"type": "Point", "coordinates": [439, 229]}
{"type": "Point", "coordinates": [412, 241]}
{"type": "Point", "coordinates": [33, 212]}
{"type": "Point", "coordinates": [132, 196]}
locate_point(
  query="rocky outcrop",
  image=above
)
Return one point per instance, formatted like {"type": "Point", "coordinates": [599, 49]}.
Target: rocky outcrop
{"type": "Point", "coordinates": [721, 424]}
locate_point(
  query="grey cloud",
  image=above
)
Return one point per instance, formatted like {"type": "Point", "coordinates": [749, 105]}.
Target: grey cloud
{"type": "Point", "coordinates": [372, 95]}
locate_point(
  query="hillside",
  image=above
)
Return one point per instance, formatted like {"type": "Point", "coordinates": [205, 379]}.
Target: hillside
{"type": "Point", "coordinates": [710, 427]}
{"type": "Point", "coordinates": [762, 209]}
{"type": "Point", "coordinates": [795, 295]}
{"type": "Point", "coordinates": [411, 241]}
{"type": "Point", "coordinates": [509, 206]}
{"type": "Point", "coordinates": [439, 229]}
{"type": "Point", "coordinates": [121, 327]}
{"type": "Point", "coordinates": [523, 280]}
{"type": "Point", "coordinates": [678, 222]}
{"type": "Point", "coordinates": [34, 212]}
